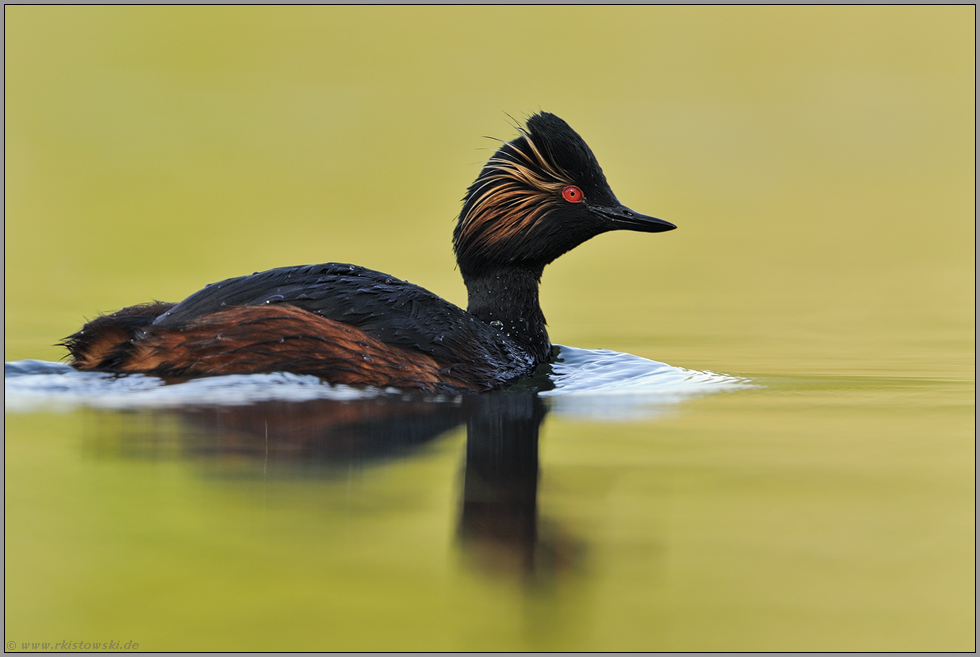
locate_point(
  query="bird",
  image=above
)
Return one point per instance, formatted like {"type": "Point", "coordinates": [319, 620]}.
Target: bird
{"type": "Point", "coordinates": [538, 196]}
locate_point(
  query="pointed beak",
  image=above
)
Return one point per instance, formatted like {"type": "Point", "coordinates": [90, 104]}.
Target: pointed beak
{"type": "Point", "coordinates": [620, 217]}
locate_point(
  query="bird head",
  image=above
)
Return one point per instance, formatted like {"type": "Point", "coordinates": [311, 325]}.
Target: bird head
{"type": "Point", "coordinates": [539, 196]}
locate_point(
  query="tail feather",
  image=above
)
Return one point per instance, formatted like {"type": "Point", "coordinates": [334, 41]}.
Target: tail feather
{"type": "Point", "coordinates": [252, 339]}
{"type": "Point", "coordinates": [106, 341]}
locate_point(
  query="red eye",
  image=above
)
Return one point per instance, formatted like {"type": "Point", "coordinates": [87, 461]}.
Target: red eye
{"type": "Point", "coordinates": [572, 194]}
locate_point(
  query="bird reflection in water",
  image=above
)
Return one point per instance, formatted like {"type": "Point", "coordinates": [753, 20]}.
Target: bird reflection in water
{"type": "Point", "coordinates": [499, 524]}
{"type": "Point", "coordinates": [499, 527]}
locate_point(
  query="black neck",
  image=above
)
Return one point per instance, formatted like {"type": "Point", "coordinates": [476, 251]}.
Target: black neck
{"type": "Point", "coordinates": [508, 299]}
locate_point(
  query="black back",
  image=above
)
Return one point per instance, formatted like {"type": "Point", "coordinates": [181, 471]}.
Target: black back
{"type": "Point", "coordinates": [392, 310]}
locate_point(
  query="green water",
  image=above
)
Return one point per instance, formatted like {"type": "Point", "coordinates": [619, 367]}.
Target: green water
{"type": "Point", "coordinates": [819, 163]}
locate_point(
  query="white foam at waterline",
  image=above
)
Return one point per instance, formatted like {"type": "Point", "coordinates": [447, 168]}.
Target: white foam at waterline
{"type": "Point", "coordinates": [589, 383]}
{"type": "Point", "coordinates": [599, 384]}
{"type": "Point", "coordinates": [73, 389]}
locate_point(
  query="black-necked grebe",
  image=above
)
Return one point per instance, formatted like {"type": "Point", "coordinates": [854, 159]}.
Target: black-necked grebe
{"type": "Point", "coordinates": [539, 196]}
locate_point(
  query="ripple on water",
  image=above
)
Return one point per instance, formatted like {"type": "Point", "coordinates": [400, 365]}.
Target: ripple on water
{"type": "Point", "coordinates": [609, 385]}
{"type": "Point", "coordinates": [589, 383]}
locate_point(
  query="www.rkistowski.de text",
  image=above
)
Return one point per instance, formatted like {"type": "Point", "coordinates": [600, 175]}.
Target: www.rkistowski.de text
{"type": "Point", "coordinates": [73, 645]}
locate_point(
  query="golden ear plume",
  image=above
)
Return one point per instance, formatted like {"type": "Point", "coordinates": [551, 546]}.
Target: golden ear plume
{"type": "Point", "coordinates": [513, 193]}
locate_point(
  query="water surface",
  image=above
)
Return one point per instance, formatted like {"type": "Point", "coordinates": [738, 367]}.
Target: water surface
{"type": "Point", "coordinates": [640, 509]}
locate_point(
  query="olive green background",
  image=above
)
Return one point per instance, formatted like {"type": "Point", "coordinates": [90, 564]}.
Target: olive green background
{"type": "Point", "coordinates": [819, 162]}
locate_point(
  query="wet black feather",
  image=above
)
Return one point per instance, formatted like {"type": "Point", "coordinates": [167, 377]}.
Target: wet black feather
{"type": "Point", "coordinates": [394, 311]}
